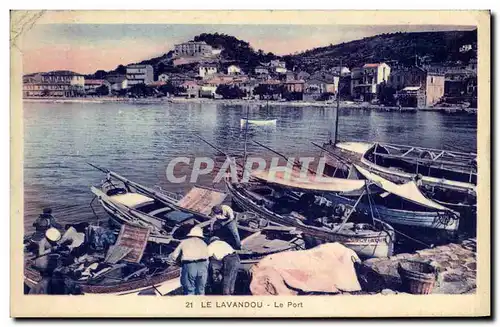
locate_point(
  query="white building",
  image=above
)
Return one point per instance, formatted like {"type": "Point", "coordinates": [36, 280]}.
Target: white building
{"type": "Point", "coordinates": [280, 70]}
{"type": "Point", "coordinates": [365, 81]}
{"type": "Point", "coordinates": [163, 77]}
{"type": "Point", "coordinates": [277, 63]}
{"type": "Point", "coordinates": [118, 82]}
{"type": "Point", "coordinates": [140, 74]}
{"type": "Point", "coordinates": [91, 86]}
{"type": "Point", "coordinates": [193, 49]}
{"type": "Point", "coordinates": [206, 70]}
{"type": "Point", "coordinates": [233, 70]}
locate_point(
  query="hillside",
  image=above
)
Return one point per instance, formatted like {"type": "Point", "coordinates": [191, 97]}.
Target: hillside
{"type": "Point", "coordinates": [234, 51]}
{"type": "Point", "coordinates": [430, 47]}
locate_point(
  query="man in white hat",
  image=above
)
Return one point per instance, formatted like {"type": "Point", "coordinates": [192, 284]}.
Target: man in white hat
{"type": "Point", "coordinates": [193, 255]}
{"type": "Point", "coordinates": [223, 218]}
{"type": "Point", "coordinates": [225, 254]}
{"type": "Point", "coordinates": [49, 242]}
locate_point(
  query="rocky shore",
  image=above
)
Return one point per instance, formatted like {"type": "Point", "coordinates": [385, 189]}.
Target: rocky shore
{"type": "Point", "coordinates": [456, 264]}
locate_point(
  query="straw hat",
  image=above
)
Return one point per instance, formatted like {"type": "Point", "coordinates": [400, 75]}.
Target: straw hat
{"type": "Point", "coordinates": [213, 239]}
{"type": "Point", "coordinates": [196, 232]}
{"type": "Point", "coordinates": [53, 234]}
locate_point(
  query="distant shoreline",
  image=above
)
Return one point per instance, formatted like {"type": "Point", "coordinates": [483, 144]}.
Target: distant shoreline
{"type": "Point", "coordinates": [343, 104]}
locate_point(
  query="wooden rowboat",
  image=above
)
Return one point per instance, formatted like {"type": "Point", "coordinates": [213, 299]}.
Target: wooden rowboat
{"type": "Point", "coordinates": [257, 122]}
{"type": "Point", "coordinates": [366, 240]}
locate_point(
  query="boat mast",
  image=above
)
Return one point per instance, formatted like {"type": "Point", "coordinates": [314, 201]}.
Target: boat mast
{"type": "Point", "coordinates": [335, 135]}
{"type": "Point", "coordinates": [246, 138]}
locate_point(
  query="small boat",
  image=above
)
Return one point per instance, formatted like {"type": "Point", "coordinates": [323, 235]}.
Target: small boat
{"type": "Point", "coordinates": [257, 122]}
{"type": "Point", "coordinates": [367, 240]}
{"type": "Point", "coordinates": [439, 168]}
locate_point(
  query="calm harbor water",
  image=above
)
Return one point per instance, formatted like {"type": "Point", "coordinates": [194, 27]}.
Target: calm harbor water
{"type": "Point", "coordinates": [138, 141]}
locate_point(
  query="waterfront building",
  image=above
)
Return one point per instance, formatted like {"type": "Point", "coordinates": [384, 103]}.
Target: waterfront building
{"type": "Point", "coordinates": [118, 82]}
{"type": "Point", "coordinates": [233, 70]}
{"type": "Point", "coordinates": [366, 81]}
{"type": "Point", "coordinates": [248, 86]}
{"type": "Point", "coordinates": [320, 88]}
{"type": "Point", "coordinates": [293, 89]}
{"type": "Point", "coordinates": [207, 69]}
{"type": "Point", "coordinates": [193, 49]}
{"type": "Point", "coordinates": [139, 74]}
{"type": "Point", "coordinates": [416, 86]}
{"type": "Point", "coordinates": [91, 86]}
{"type": "Point", "coordinates": [192, 89]}
{"type": "Point", "coordinates": [60, 83]}
{"type": "Point", "coordinates": [460, 83]}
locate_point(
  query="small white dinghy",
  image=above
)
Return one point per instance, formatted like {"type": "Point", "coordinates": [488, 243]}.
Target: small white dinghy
{"type": "Point", "coordinates": [257, 122]}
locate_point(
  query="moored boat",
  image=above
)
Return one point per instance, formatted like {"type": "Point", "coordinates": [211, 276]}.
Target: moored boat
{"type": "Point", "coordinates": [451, 170]}
{"type": "Point", "coordinates": [402, 204]}
{"type": "Point", "coordinates": [257, 122]}
{"type": "Point", "coordinates": [368, 240]}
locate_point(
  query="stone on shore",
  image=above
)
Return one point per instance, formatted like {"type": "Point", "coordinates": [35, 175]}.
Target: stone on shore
{"type": "Point", "coordinates": [456, 264]}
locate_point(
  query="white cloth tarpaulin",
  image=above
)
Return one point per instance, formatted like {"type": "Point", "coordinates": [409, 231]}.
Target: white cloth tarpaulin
{"type": "Point", "coordinates": [292, 178]}
{"type": "Point", "coordinates": [328, 268]}
{"type": "Point", "coordinates": [408, 191]}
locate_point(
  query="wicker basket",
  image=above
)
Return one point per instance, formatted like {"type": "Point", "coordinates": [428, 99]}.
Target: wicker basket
{"type": "Point", "coordinates": [417, 277]}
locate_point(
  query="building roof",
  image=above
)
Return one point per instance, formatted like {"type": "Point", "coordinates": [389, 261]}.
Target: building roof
{"type": "Point", "coordinates": [271, 82]}
{"type": "Point", "coordinates": [294, 81]}
{"type": "Point", "coordinates": [138, 66]}
{"type": "Point", "coordinates": [190, 83]}
{"type": "Point", "coordinates": [94, 81]}
{"type": "Point", "coordinates": [411, 88]}
{"type": "Point", "coordinates": [61, 73]}
{"type": "Point", "coordinates": [192, 42]}
{"type": "Point", "coordinates": [157, 83]}
{"type": "Point", "coordinates": [373, 65]}
{"type": "Point", "coordinates": [116, 78]}
{"type": "Point", "coordinates": [208, 64]}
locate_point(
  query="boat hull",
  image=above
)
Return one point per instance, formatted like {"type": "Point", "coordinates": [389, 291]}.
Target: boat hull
{"type": "Point", "coordinates": [379, 244]}
{"type": "Point", "coordinates": [244, 122]}
{"type": "Point", "coordinates": [423, 219]}
{"type": "Point", "coordinates": [354, 152]}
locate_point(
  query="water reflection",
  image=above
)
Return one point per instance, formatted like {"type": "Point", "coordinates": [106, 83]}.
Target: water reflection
{"type": "Point", "coordinates": [139, 141]}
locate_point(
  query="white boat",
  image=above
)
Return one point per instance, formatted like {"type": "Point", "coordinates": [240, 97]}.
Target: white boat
{"type": "Point", "coordinates": [257, 122]}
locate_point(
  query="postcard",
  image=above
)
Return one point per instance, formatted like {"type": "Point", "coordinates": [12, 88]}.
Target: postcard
{"type": "Point", "coordinates": [250, 163]}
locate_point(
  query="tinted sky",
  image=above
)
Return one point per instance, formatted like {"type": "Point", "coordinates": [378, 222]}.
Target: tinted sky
{"type": "Point", "coordinates": [86, 48]}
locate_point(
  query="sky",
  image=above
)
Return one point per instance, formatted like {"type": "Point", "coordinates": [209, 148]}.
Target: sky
{"type": "Point", "coordinates": [85, 48]}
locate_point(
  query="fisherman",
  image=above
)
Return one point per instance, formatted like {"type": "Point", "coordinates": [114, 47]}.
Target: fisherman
{"type": "Point", "coordinates": [418, 179]}
{"type": "Point", "coordinates": [223, 252]}
{"type": "Point", "coordinates": [193, 255]}
{"type": "Point", "coordinates": [74, 238]}
{"type": "Point", "coordinates": [49, 243]}
{"type": "Point", "coordinates": [224, 220]}
{"type": "Point", "coordinates": [45, 221]}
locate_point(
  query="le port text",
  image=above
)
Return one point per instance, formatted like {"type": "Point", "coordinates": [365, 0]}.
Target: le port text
{"type": "Point", "coordinates": [244, 304]}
